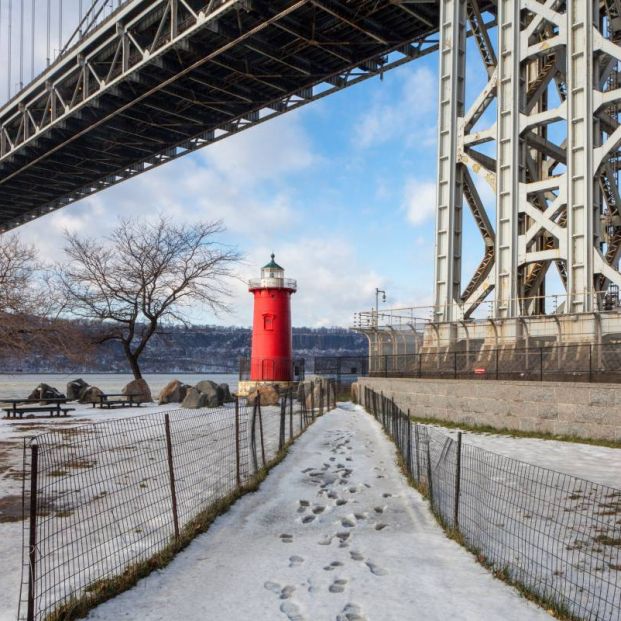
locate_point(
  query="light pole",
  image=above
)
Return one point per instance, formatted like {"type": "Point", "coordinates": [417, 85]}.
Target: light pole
{"type": "Point", "coordinates": [377, 293]}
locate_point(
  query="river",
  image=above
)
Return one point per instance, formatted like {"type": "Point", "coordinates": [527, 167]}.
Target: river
{"type": "Point", "coordinates": [20, 385]}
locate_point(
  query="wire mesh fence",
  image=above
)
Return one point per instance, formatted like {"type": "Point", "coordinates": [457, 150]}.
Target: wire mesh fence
{"type": "Point", "coordinates": [100, 499]}
{"type": "Point", "coordinates": [555, 535]}
{"type": "Point", "coordinates": [584, 362]}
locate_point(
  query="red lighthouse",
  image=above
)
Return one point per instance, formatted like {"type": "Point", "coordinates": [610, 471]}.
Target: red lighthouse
{"type": "Point", "coordinates": [271, 355]}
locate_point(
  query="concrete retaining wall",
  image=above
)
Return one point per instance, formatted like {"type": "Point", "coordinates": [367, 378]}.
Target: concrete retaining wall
{"type": "Point", "coordinates": [583, 410]}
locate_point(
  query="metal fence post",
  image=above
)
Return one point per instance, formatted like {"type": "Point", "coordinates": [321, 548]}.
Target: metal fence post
{"type": "Point", "coordinates": [409, 443]}
{"type": "Point", "coordinates": [429, 480]}
{"type": "Point", "coordinates": [496, 362]}
{"type": "Point", "coordinates": [261, 430]}
{"type": "Point", "coordinates": [420, 365]}
{"type": "Point", "coordinates": [590, 362]}
{"type": "Point", "coordinates": [291, 414]}
{"type": "Point", "coordinates": [312, 388]}
{"type": "Point", "coordinates": [417, 440]}
{"type": "Point", "coordinates": [281, 431]}
{"type": "Point", "coordinates": [385, 366]}
{"type": "Point", "coordinates": [171, 475]}
{"type": "Point", "coordinates": [32, 540]}
{"type": "Point", "coordinates": [541, 364]}
{"type": "Point", "coordinates": [457, 481]}
{"type": "Point", "coordinates": [253, 436]}
{"type": "Point", "coordinates": [237, 443]}
{"type": "Point", "coordinates": [455, 365]}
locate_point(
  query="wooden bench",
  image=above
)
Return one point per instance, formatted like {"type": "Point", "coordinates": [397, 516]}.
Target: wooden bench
{"type": "Point", "coordinates": [53, 408]}
{"type": "Point", "coordinates": [127, 402]}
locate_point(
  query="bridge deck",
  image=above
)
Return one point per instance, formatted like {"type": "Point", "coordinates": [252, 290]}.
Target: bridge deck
{"type": "Point", "coordinates": [144, 88]}
{"type": "Point", "coordinates": [148, 86]}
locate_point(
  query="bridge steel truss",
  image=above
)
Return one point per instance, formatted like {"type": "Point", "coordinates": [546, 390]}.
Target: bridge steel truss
{"type": "Point", "coordinates": [549, 152]}
{"type": "Point", "coordinates": [162, 78]}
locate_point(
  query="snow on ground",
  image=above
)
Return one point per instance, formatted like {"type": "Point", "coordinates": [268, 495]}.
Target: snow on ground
{"type": "Point", "coordinates": [335, 532]}
{"type": "Point", "coordinates": [598, 464]}
{"type": "Point", "coordinates": [12, 434]}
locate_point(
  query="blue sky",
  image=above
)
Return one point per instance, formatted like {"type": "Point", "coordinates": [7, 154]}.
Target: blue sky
{"type": "Point", "coordinates": [342, 190]}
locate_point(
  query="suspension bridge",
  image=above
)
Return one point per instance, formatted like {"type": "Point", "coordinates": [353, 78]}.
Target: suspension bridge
{"type": "Point", "coordinates": [141, 83]}
{"type": "Point", "coordinates": [530, 96]}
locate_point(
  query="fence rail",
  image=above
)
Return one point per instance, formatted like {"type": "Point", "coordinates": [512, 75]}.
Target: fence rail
{"type": "Point", "coordinates": [579, 362]}
{"type": "Point", "coordinates": [100, 499]}
{"type": "Point", "coordinates": [556, 535]}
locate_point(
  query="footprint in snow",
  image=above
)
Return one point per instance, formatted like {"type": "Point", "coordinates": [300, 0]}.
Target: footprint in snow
{"type": "Point", "coordinates": [351, 612]}
{"type": "Point", "coordinates": [292, 611]}
{"type": "Point", "coordinates": [308, 519]}
{"type": "Point", "coordinates": [356, 556]}
{"type": "Point", "coordinates": [286, 538]}
{"type": "Point", "coordinates": [295, 561]}
{"type": "Point", "coordinates": [338, 586]}
{"type": "Point", "coordinates": [380, 526]}
{"type": "Point", "coordinates": [376, 570]}
{"type": "Point", "coordinates": [379, 509]}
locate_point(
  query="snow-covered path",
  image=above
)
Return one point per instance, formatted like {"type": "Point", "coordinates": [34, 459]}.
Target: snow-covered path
{"type": "Point", "coordinates": [335, 532]}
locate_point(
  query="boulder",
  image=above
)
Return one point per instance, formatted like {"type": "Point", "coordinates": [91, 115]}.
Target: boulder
{"type": "Point", "coordinates": [268, 395]}
{"type": "Point", "coordinates": [44, 392]}
{"type": "Point", "coordinates": [91, 395]}
{"type": "Point", "coordinates": [355, 392]}
{"type": "Point", "coordinates": [173, 392]}
{"type": "Point", "coordinates": [225, 392]}
{"type": "Point", "coordinates": [215, 394]}
{"type": "Point", "coordinates": [140, 389]}
{"type": "Point", "coordinates": [75, 389]}
{"type": "Point", "coordinates": [195, 399]}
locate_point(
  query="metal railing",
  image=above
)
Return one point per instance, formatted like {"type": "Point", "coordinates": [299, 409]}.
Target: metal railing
{"type": "Point", "coordinates": [555, 535]}
{"type": "Point", "coordinates": [585, 362]}
{"type": "Point", "coordinates": [417, 317]}
{"type": "Point", "coordinates": [102, 499]}
{"type": "Point", "coordinates": [273, 283]}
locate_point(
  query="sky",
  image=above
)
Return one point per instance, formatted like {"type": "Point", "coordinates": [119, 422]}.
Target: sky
{"type": "Point", "coordinates": [341, 190]}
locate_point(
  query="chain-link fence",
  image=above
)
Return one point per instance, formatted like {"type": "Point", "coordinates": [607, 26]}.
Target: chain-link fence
{"type": "Point", "coordinates": [110, 500]}
{"type": "Point", "coordinates": [584, 362]}
{"type": "Point", "coordinates": [555, 535]}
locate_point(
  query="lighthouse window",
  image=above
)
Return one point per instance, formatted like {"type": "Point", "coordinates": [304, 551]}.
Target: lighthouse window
{"type": "Point", "coordinates": [268, 322]}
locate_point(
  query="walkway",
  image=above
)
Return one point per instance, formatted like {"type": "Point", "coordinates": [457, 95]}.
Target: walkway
{"type": "Point", "coordinates": [334, 533]}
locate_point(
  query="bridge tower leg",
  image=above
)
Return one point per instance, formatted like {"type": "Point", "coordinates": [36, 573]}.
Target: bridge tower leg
{"type": "Point", "coordinates": [450, 171]}
{"type": "Point", "coordinates": [554, 74]}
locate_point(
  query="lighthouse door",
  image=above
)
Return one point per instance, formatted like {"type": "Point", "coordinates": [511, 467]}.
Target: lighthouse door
{"type": "Point", "coordinates": [268, 370]}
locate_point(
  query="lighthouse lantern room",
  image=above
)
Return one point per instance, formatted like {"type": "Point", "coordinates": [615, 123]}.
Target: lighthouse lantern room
{"type": "Point", "coordinates": [271, 358]}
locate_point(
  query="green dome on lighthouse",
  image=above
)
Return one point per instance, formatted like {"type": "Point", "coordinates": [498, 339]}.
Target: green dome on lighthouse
{"type": "Point", "coordinates": [272, 265]}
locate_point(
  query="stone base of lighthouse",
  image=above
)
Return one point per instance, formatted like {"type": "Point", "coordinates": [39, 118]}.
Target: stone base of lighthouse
{"type": "Point", "coordinates": [245, 387]}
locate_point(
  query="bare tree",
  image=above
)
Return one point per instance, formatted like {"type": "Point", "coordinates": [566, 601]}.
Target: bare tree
{"type": "Point", "coordinates": [145, 274]}
{"type": "Point", "coordinates": [30, 322]}
{"type": "Point", "coordinates": [18, 265]}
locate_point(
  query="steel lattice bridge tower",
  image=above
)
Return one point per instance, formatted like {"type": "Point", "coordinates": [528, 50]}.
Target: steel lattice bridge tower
{"type": "Point", "coordinates": [160, 78]}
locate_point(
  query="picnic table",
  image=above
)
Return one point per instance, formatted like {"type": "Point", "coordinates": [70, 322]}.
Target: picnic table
{"type": "Point", "coordinates": [115, 402]}
{"type": "Point", "coordinates": [19, 407]}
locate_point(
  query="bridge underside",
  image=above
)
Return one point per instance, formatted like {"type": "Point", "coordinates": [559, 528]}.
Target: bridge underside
{"type": "Point", "coordinates": [162, 78]}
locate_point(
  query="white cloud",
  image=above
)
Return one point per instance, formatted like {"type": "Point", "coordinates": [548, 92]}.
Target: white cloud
{"type": "Point", "coordinates": [244, 181]}
{"type": "Point", "coordinates": [419, 200]}
{"type": "Point", "coordinates": [399, 115]}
